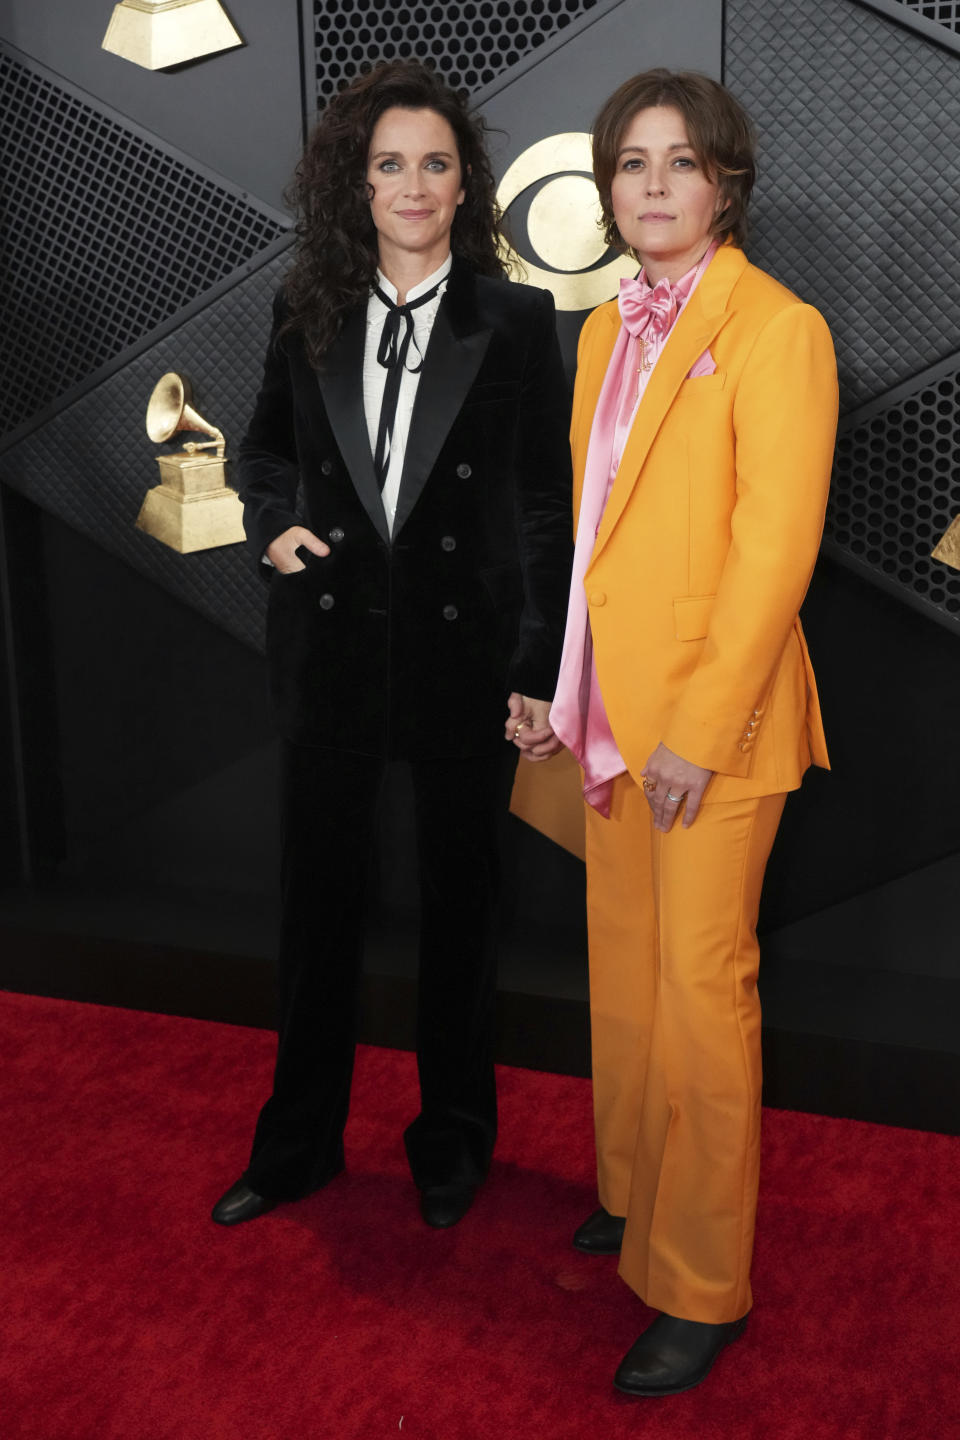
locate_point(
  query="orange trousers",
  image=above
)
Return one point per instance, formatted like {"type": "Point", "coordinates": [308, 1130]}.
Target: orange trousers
{"type": "Point", "coordinates": [675, 1022]}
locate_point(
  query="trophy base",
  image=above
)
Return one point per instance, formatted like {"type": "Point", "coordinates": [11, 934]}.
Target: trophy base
{"type": "Point", "coordinates": [196, 522]}
{"type": "Point", "coordinates": [157, 35]}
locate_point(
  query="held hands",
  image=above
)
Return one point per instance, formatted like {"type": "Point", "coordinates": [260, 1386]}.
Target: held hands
{"type": "Point", "coordinates": [281, 552]}
{"type": "Point", "coordinates": [528, 726]}
{"type": "Point", "coordinates": [666, 774]}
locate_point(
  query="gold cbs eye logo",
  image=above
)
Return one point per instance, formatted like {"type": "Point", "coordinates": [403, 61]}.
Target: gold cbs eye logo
{"type": "Point", "coordinates": [563, 224]}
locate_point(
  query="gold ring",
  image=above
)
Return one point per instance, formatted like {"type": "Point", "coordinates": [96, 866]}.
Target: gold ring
{"type": "Point", "coordinates": [648, 785]}
{"type": "Point", "coordinates": [516, 733]}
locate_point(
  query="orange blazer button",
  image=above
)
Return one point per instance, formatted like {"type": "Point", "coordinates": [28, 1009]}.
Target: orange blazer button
{"type": "Point", "coordinates": [597, 597]}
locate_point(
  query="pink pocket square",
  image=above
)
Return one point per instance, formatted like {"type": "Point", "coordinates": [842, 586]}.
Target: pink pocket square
{"type": "Point", "coordinates": [706, 365]}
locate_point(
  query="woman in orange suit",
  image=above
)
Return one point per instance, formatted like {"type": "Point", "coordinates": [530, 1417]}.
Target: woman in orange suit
{"type": "Point", "coordinates": [703, 429]}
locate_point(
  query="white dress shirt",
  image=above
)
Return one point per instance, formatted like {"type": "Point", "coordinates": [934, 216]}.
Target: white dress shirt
{"type": "Point", "coordinates": [375, 375]}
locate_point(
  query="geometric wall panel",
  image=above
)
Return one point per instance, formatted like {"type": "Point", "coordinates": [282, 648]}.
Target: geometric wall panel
{"type": "Point", "coordinates": [856, 207]}
{"type": "Point", "coordinates": [858, 121]}
{"type": "Point", "coordinates": [107, 233]}
{"type": "Point", "coordinates": [91, 464]}
{"type": "Point", "coordinates": [469, 44]}
{"type": "Point", "coordinates": [896, 488]}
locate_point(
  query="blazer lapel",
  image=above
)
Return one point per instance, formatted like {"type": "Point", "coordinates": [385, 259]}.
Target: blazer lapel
{"type": "Point", "coordinates": [454, 355]}
{"type": "Point", "coordinates": [697, 327]}
{"type": "Point", "coordinates": [341, 385]}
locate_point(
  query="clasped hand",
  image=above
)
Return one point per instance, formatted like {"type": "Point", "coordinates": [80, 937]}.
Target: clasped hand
{"type": "Point", "coordinates": [528, 726]}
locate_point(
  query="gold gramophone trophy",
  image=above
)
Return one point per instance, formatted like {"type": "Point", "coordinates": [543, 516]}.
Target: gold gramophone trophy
{"type": "Point", "coordinates": [193, 508]}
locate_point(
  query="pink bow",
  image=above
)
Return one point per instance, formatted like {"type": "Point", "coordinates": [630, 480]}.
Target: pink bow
{"type": "Point", "coordinates": [646, 311]}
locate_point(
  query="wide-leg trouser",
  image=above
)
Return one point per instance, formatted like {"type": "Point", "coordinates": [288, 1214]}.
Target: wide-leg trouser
{"type": "Point", "coordinates": [328, 808]}
{"type": "Point", "coordinates": [676, 1044]}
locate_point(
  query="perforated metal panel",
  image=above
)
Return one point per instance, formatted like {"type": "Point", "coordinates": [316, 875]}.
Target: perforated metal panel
{"type": "Point", "coordinates": [469, 43]}
{"type": "Point", "coordinates": [943, 13]}
{"type": "Point", "coordinates": [939, 20]}
{"type": "Point", "coordinates": [106, 235]}
{"type": "Point", "coordinates": [897, 487]}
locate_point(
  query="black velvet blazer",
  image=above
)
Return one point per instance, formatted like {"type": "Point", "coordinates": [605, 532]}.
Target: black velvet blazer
{"type": "Point", "coordinates": [408, 646]}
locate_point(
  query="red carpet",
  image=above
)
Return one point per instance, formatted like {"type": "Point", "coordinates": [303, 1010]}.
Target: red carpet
{"type": "Point", "coordinates": [127, 1315]}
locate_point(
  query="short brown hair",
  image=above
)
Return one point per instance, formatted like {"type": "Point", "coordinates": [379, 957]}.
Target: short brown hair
{"type": "Point", "coordinates": [720, 133]}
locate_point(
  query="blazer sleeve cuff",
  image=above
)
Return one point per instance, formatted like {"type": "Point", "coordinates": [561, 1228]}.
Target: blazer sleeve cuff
{"type": "Point", "coordinates": [536, 680]}
{"type": "Point", "coordinates": [697, 741]}
{"type": "Point", "coordinates": [264, 532]}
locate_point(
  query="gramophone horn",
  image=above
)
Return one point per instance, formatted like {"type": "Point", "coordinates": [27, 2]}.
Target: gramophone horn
{"type": "Point", "coordinates": [169, 410]}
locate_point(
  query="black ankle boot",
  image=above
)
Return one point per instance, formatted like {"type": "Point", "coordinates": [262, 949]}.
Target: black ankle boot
{"type": "Point", "coordinates": [673, 1355]}
{"type": "Point", "coordinates": [600, 1234]}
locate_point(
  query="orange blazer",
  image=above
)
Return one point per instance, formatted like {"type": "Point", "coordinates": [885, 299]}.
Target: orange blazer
{"type": "Point", "coordinates": [711, 531]}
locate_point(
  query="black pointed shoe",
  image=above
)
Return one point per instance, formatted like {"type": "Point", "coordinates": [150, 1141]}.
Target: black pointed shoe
{"type": "Point", "coordinates": [600, 1234]}
{"type": "Point", "coordinates": [443, 1205]}
{"type": "Point", "coordinates": [238, 1204]}
{"type": "Point", "coordinates": [673, 1355]}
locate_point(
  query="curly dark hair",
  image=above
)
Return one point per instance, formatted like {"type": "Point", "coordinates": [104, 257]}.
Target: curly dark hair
{"type": "Point", "coordinates": [336, 255]}
{"type": "Point", "coordinates": [719, 130]}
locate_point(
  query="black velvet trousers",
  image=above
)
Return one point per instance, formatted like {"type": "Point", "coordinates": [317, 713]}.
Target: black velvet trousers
{"type": "Point", "coordinates": [328, 805]}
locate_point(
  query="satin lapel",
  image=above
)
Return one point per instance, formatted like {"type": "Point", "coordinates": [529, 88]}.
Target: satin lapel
{"type": "Point", "coordinates": [591, 376]}
{"type": "Point", "coordinates": [697, 327]}
{"type": "Point", "coordinates": [449, 369]}
{"type": "Point", "coordinates": [341, 385]}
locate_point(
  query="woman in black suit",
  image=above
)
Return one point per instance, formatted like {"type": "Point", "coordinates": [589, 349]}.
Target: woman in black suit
{"type": "Point", "coordinates": [419, 402]}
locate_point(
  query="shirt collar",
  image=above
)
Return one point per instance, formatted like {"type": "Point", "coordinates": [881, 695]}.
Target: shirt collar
{"type": "Point", "coordinates": [418, 290]}
{"type": "Point", "coordinates": [681, 288]}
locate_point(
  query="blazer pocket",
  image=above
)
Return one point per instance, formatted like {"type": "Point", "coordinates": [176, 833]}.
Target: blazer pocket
{"type": "Point", "coordinates": [700, 384]}
{"type": "Point", "coordinates": [691, 614]}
